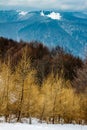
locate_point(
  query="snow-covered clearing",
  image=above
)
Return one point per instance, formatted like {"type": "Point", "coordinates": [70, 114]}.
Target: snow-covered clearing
{"type": "Point", "coordinates": [36, 125]}
{"type": "Point", "coordinates": [19, 126]}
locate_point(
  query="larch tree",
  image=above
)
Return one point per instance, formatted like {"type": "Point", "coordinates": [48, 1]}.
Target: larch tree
{"type": "Point", "coordinates": [22, 70]}
{"type": "Point", "coordinates": [52, 89]}
{"type": "Point", "coordinates": [6, 80]}
{"type": "Point", "coordinates": [31, 92]}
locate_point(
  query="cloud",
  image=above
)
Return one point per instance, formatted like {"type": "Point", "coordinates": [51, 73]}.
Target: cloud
{"type": "Point", "coordinates": [56, 4]}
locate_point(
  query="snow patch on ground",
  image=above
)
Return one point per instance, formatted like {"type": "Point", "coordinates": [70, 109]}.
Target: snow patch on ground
{"type": "Point", "coordinates": [52, 15]}
{"type": "Point", "coordinates": [13, 119]}
{"type": "Point", "coordinates": [20, 126]}
{"type": "Point", "coordinates": [36, 125]}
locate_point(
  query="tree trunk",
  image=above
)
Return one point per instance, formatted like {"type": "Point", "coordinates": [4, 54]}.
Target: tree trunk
{"type": "Point", "coordinates": [30, 120]}
{"type": "Point", "coordinates": [21, 102]}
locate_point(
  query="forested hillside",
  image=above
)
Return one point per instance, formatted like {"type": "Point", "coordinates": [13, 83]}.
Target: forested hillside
{"type": "Point", "coordinates": [50, 85]}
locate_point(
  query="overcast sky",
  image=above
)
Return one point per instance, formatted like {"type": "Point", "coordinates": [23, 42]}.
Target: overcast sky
{"type": "Point", "coordinates": [47, 4]}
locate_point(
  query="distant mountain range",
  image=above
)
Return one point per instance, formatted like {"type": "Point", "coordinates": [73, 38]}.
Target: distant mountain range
{"type": "Point", "coordinates": [66, 29]}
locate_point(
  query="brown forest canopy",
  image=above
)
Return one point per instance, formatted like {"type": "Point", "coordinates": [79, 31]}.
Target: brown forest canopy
{"type": "Point", "coordinates": [45, 60]}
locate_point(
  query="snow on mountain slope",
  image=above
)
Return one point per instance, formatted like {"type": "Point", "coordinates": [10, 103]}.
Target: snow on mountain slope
{"type": "Point", "coordinates": [66, 29]}
{"type": "Point", "coordinates": [23, 13]}
{"type": "Point", "coordinates": [52, 15]}
{"type": "Point", "coordinates": [20, 126]}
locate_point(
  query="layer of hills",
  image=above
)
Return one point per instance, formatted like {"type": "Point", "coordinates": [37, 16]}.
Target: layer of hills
{"type": "Point", "coordinates": [64, 29]}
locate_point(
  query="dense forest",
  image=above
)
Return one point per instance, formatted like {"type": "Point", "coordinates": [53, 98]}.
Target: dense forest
{"type": "Point", "coordinates": [48, 84]}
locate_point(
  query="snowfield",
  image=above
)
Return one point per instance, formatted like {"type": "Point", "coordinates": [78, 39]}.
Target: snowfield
{"type": "Point", "coordinates": [36, 125]}
{"type": "Point", "coordinates": [19, 126]}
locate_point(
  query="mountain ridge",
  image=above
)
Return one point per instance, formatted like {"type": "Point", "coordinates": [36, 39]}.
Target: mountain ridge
{"type": "Point", "coordinates": [53, 28]}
